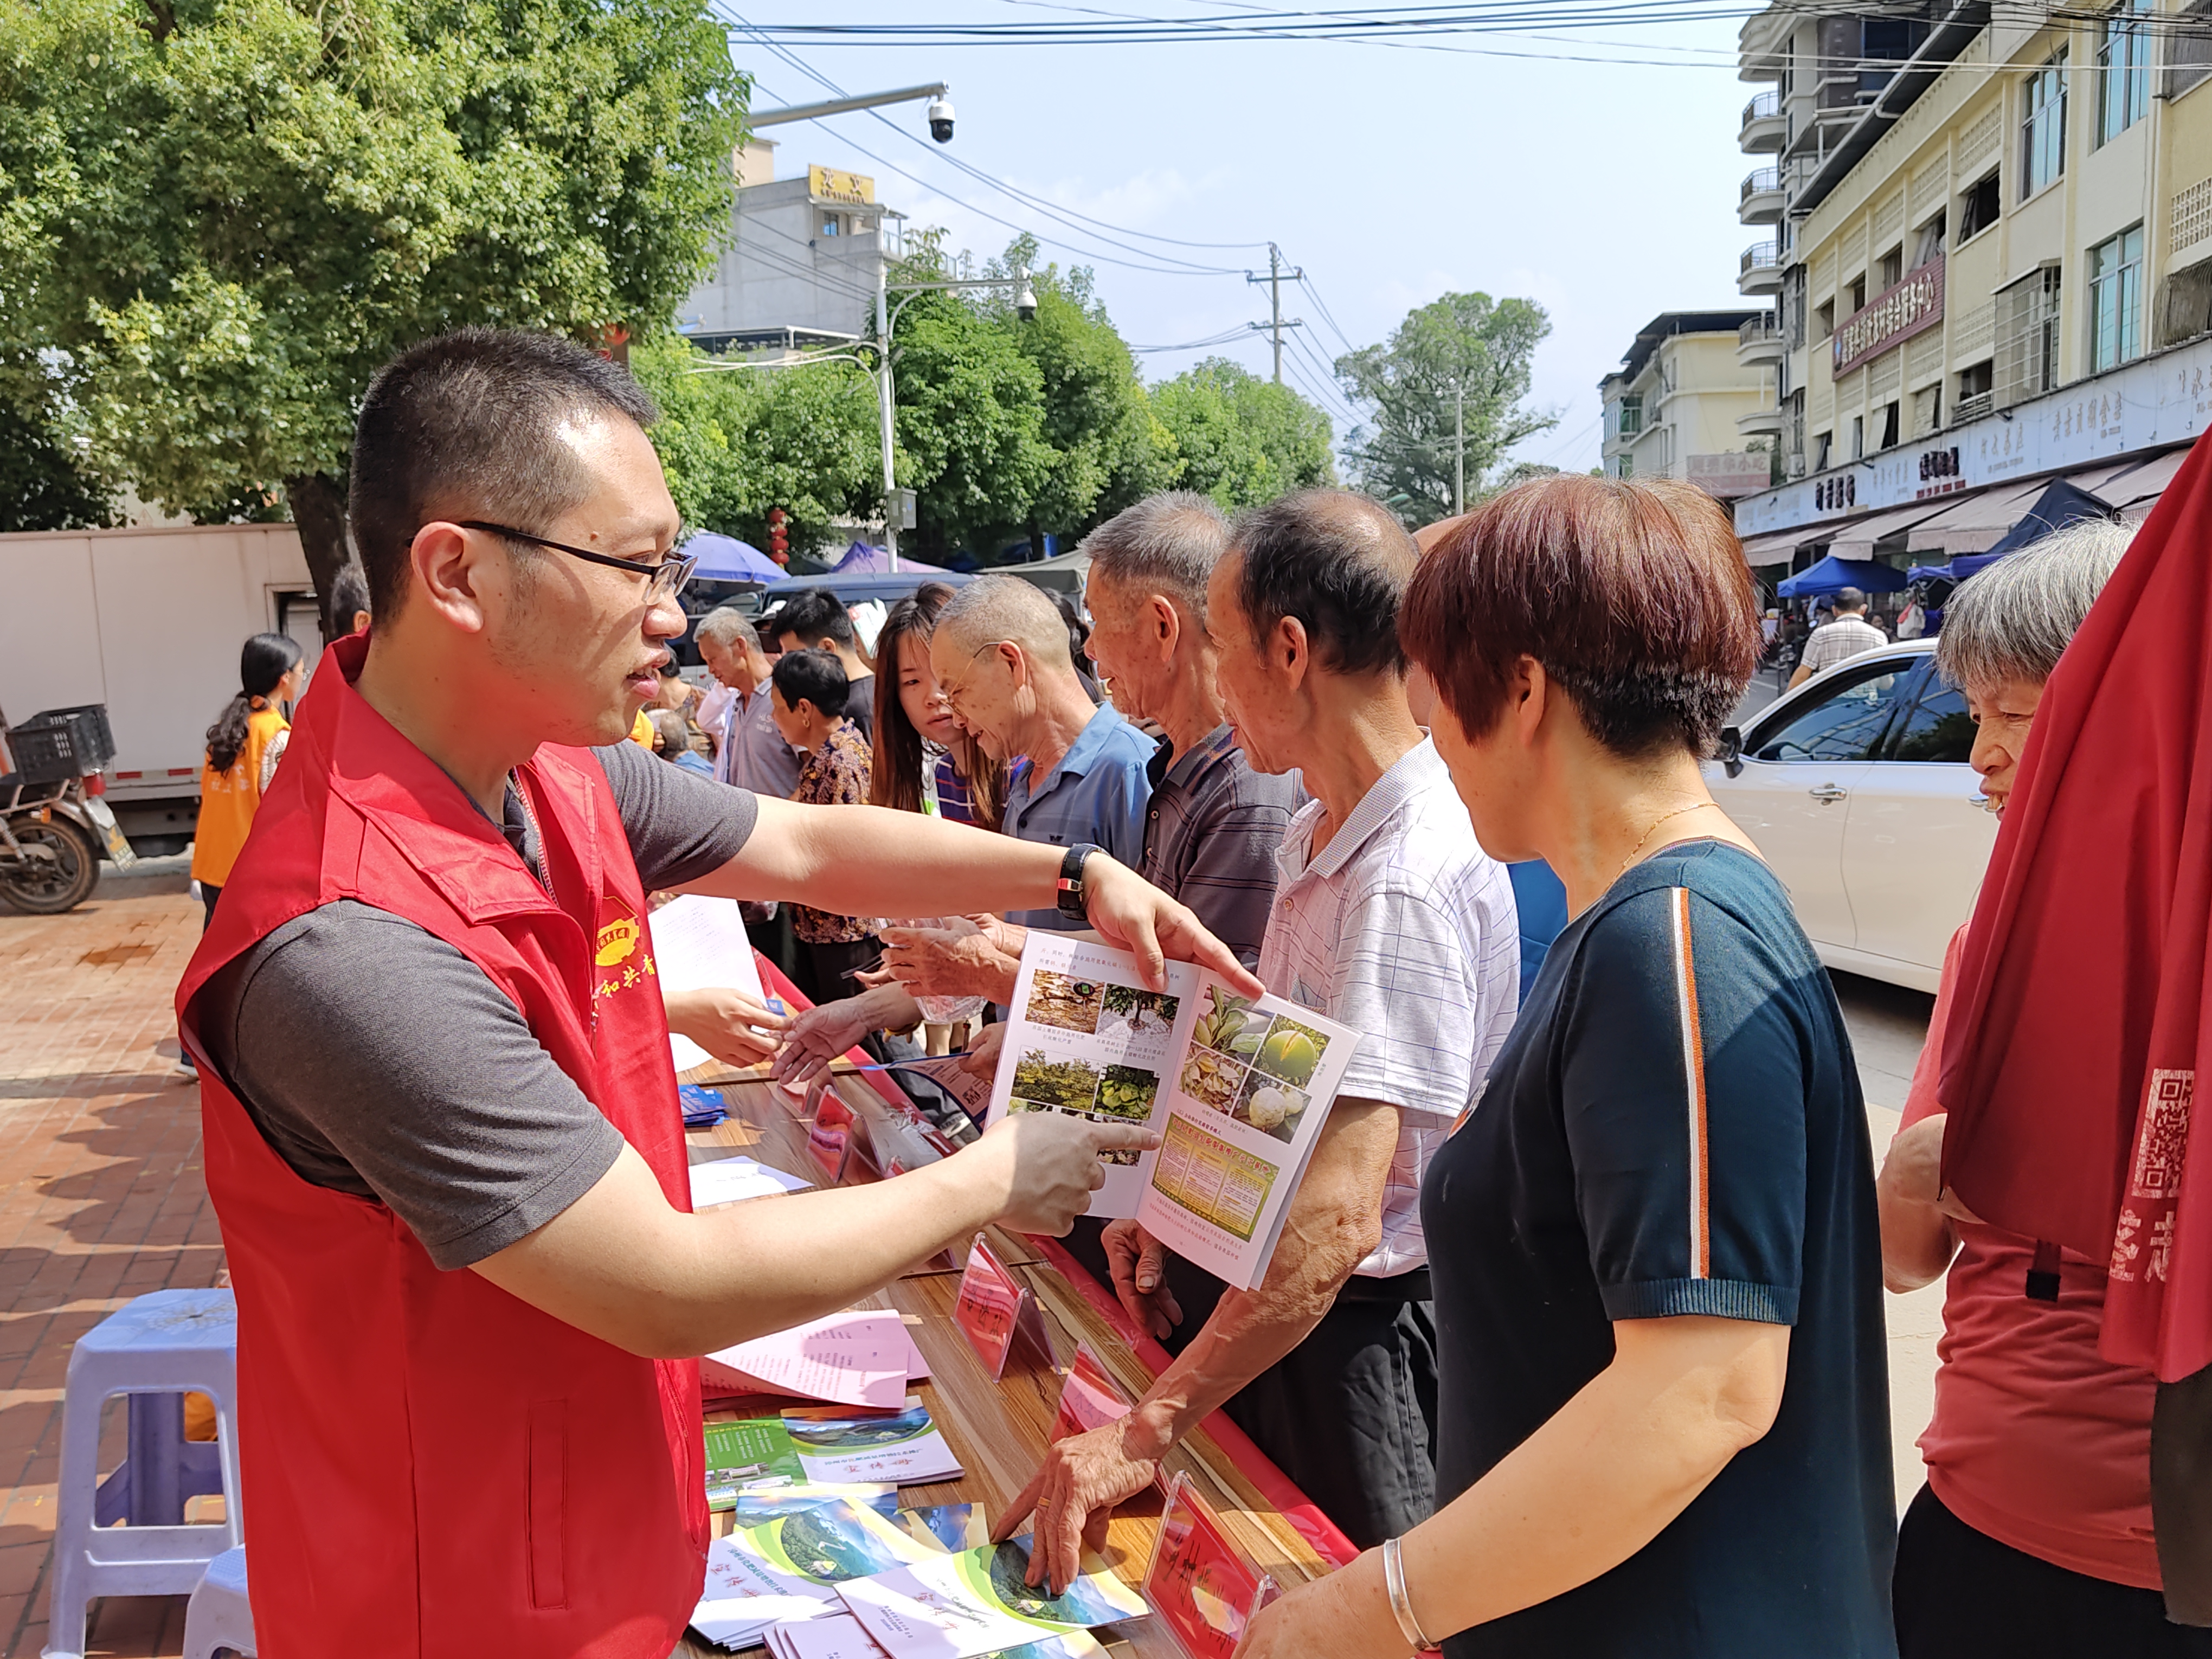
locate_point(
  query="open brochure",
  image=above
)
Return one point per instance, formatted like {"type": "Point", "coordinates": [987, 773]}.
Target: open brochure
{"type": "Point", "coordinates": [976, 1602]}
{"type": "Point", "coordinates": [788, 1567]}
{"type": "Point", "coordinates": [1238, 1087]}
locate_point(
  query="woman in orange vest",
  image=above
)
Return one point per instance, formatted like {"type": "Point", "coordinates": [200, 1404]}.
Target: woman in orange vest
{"type": "Point", "coordinates": [243, 747]}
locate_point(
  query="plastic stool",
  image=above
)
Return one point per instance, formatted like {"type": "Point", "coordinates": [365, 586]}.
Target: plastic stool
{"type": "Point", "coordinates": [161, 1344]}
{"type": "Point", "coordinates": [219, 1618]}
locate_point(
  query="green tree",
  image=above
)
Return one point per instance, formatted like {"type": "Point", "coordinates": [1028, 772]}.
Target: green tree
{"type": "Point", "coordinates": [1464, 349]}
{"type": "Point", "coordinates": [220, 217]}
{"type": "Point", "coordinates": [738, 442]}
{"type": "Point", "coordinates": [42, 487]}
{"type": "Point", "coordinates": [1239, 439]}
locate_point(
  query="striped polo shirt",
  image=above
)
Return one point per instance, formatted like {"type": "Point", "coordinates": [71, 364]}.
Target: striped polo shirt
{"type": "Point", "coordinates": [1403, 928]}
{"type": "Point", "coordinates": [1210, 833]}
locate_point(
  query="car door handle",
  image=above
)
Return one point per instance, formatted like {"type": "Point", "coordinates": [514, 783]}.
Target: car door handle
{"type": "Point", "coordinates": [1828, 793]}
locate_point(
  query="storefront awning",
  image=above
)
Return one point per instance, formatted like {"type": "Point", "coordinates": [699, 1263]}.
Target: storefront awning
{"type": "Point", "coordinates": [1978, 522]}
{"type": "Point", "coordinates": [2139, 485]}
{"type": "Point", "coordinates": [1858, 538]}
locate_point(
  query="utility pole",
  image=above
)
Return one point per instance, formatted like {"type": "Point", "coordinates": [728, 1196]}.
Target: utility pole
{"type": "Point", "coordinates": [883, 402]}
{"type": "Point", "coordinates": [1275, 280]}
{"type": "Point", "coordinates": [1459, 447]}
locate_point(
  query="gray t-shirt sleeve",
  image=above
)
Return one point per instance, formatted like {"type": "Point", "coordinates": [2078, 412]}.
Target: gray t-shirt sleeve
{"type": "Point", "coordinates": [681, 826]}
{"type": "Point", "coordinates": [378, 1061]}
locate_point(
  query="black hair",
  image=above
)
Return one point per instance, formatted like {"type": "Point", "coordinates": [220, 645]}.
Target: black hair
{"type": "Point", "coordinates": [262, 665]}
{"type": "Point", "coordinates": [814, 677]}
{"type": "Point", "coordinates": [815, 615]}
{"type": "Point", "coordinates": [348, 598]}
{"type": "Point", "coordinates": [669, 671]}
{"type": "Point", "coordinates": [1337, 561]}
{"type": "Point", "coordinates": [467, 426]}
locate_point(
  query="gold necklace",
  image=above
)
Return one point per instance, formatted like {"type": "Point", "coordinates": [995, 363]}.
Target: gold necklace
{"type": "Point", "coordinates": [1624, 863]}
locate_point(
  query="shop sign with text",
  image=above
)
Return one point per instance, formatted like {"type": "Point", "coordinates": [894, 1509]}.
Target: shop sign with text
{"type": "Point", "coordinates": [1890, 319]}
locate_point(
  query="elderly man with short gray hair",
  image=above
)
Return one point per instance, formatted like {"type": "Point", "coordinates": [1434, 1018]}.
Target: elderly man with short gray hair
{"type": "Point", "coordinates": [749, 750]}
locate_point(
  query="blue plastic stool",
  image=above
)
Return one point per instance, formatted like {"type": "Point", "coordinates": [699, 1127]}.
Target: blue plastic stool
{"type": "Point", "coordinates": [155, 1350]}
{"type": "Point", "coordinates": [219, 1618]}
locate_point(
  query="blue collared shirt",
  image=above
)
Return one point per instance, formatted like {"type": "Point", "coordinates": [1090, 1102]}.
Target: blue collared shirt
{"type": "Point", "coordinates": [750, 751]}
{"type": "Point", "coordinates": [1096, 794]}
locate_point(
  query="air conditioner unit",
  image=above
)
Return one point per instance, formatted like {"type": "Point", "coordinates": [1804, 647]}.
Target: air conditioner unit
{"type": "Point", "coordinates": [1797, 464]}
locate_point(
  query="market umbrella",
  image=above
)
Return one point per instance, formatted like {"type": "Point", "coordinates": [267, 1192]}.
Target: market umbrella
{"type": "Point", "coordinates": [1833, 575]}
{"type": "Point", "coordinates": [2080, 1017]}
{"type": "Point", "coordinates": [862, 559]}
{"type": "Point", "coordinates": [726, 559]}
{"type": "Point", "coordinates": [2060, 504]}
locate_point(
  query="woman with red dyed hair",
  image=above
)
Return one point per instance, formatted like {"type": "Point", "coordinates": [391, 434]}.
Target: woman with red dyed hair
{"type": "Point", "coordinates": [1663, 1403]}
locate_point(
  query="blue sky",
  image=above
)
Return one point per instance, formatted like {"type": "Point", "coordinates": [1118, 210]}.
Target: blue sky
{"type": "Point", "coordinates": [1606, 192]}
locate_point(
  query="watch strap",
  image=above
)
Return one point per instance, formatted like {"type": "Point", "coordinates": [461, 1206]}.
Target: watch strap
{"type": "Point", "coordinates": [1073, 900]}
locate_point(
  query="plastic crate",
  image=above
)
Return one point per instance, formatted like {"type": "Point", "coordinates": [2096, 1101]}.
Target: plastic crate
{"type": "Point", "coordinates": [58, 744]}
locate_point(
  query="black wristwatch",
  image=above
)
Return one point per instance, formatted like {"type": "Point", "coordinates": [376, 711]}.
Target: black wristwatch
{"type": "Point", "coordinates": [1073, 901]}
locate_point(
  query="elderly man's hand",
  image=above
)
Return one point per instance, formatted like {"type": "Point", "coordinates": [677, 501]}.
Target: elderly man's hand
{"type": "Point", "coordinates": [1914, 1169]}
{"type": "Point", "coordinates": [950, 962]}
{"type": "Point", "coordinates": [1073, 1494]}
{"type": "Point", "coordinates": [727, 1023]}
{"type": "Point", "coordinates": [826, 1033]}
{"type": "Point", "coordinates": [1139, 1264]}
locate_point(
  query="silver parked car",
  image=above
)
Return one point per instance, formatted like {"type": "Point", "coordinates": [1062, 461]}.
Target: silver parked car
{"type": "Point", "coordinates": [1855, 788]}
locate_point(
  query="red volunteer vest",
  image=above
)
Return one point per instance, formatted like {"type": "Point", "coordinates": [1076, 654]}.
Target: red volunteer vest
{"type": "Point", "coordinates": [432, 1466]}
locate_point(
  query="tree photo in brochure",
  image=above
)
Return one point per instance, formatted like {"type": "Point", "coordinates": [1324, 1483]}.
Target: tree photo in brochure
{"type": "Point", "coordinates": [1238, 1087]}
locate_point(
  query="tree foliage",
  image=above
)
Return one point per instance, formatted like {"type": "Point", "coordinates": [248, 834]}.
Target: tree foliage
{"type": "Point", "coordinates": [1239, 439]}
{"type": "Point", "coordinates": [1405, 454]}
{"type": "Point", "coordinates": [220, 217]}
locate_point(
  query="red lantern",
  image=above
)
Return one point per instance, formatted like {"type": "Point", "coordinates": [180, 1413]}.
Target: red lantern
{"type": "Point", "coordinates": [779, 543]}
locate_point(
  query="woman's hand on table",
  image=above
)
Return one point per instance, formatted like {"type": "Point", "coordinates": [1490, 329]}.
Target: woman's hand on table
{"type": "Point", "coordinates": [727, 1023]}
{"type": "Point", "coordinates": [1073, 1494]}
{"type": "Point", "coordinates": [1139, 1264]}
{"type": "Point", "coordinates": [1346, 1615]}
{"type": "Point", "coordinates": [950, 962]}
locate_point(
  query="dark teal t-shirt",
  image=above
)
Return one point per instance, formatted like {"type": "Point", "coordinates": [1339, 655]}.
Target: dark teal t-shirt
{"type": "Point", "coordinates": [1674, 1127]}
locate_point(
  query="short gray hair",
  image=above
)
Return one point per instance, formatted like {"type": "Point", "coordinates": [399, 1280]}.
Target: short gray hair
{"type": "Point", "coordinates": [995, 607]}
{"type": "Point", "coordinates": [1168, 542]}
{"type": "Point", "coordinates": [2015, 618]}
{"type": "Point", "coordinates": [728, 628]}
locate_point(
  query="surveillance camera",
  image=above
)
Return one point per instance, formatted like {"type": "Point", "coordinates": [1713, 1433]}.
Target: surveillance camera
{"type": "Point", "coordinates": [940, 119]}
{"type": "Point", "coordinates": [1025, 300]}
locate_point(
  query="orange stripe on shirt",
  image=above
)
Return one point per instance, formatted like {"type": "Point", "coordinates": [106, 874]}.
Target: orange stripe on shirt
{"type": "Point", "coordinates": [1693, 1074]}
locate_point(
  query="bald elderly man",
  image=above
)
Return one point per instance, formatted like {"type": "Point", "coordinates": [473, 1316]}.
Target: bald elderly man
{"type": "Point", "coordinates": [1077, 774]}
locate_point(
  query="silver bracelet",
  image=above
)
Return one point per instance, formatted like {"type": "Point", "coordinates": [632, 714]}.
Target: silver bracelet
{"type": "Point", "coordinates": [1401, 1605]}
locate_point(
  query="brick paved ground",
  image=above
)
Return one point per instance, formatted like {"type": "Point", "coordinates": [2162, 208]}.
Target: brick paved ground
{"type": "Point", "coordinates": [101, 1199]}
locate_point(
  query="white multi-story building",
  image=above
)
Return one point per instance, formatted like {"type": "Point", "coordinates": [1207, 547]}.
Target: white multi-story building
{"type": "Point", "coordinates": [800, 267]}
{"type": "Point", "coordinates": [1677, 406]}
{"type": "Point", "coordinates": [1992, 264]}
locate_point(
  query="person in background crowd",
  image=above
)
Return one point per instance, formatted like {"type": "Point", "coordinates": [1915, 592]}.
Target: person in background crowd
{"type": "Point", "coordinates": [809, 691]}
{"type": "Point", "coordinates": [768, 625]}
{"type": "Point", "coordinates": [924, 763]}
{"type": "Point", "coordinates": [672, 741]}
{"type": "Point", "coordinates": [817, 620]}
{"type": "Point", "coordinates": [1665, 1419]}
{"type": "Point", "coordinates": [1841, 639]}
{"type": "Point", "coordinates": [345, 610]}
{"type": "Point", "coordinates": [1000, 652]}
{"type": "Point", "coordinates": [1078, 644]}
{"type": "Point", "coordinates": [243, 747]}
{"type": "Point", "coordinates": [2032, 1536]}
{"type": "Point", "coordinates": [1388, 917]}
{"type": "Point", "coordinates": [676, 693]}
{"type": "Point", "coordinates": [750, 749]}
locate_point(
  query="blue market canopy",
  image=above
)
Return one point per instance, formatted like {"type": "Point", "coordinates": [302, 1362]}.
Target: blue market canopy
{"type": "Point", "coordinates": [1833, 575]}
{"type": "Point", "coordinates": [2060, 504]}
{"type": "Point", "coordinates": [726, 559]}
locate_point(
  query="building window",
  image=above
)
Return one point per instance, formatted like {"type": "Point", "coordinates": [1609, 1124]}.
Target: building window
{"type": "Point", "coordinates": [2123, 53]}
{"type": "Point", "coordinates": [1978, 206]}
{"type": "Point", "coordinates": [2116, 300]}
{"type": "Point", "coordinates": [1821, 448]}
{"type": "Point", "coordinates": [1824, 321]}
{"type": "Point", "coordinates": [830, 226]}
{"type": "Point", "coordinates": [1892, 269]}
{"type": "Point", "coordinates": [2026, 326]}
{"type": "Point", "coordinates": [1858, 294]}
{"type": "Point", "coordinates": [2188, 50]}
{"type": "Point", "coordinates": [1627, 464]}
{"type": "Point", "coordinates": [1930, 242]}
{"type": "Point", "coordinates": [1631, 415]}
{"type": "Point", "coordinates": [1927, 410]}
{"type": "Point", "coordinates": [2044, 132]}
{"type": "Point", "coordinates": [1858, 436]}
{"type": "Point", "coordinates": [1889, 426]}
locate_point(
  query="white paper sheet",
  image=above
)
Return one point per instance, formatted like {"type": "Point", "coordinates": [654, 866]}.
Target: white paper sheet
{"type": "Point", "coordinates": [698, 943]}
{"type": "Point", "coordinates": [856, 1358]}
{"type": "Point", "coordinates": [728, 1179]}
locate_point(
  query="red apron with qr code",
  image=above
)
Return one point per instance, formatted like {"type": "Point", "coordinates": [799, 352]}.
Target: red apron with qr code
{"type": "Point", "coordinates": [431, 1465]}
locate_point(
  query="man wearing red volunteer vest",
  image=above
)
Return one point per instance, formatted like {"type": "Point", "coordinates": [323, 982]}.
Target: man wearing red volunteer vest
{"type": "Point", "coordinates": [441, 1127]}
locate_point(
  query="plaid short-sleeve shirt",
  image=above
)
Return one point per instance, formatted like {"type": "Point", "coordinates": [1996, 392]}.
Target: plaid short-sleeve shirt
{"type": "Point", "coordinates": [1403, 928]}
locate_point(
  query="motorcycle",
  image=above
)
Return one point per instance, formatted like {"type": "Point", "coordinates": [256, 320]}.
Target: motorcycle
{"type": "Point", "coordinates": [54, 828]}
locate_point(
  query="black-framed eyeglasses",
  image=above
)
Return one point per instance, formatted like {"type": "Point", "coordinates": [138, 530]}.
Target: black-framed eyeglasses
{"type": "Point", "coordinates": [668, 575]}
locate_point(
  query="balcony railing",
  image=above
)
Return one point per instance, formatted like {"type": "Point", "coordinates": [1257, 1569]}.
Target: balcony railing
{"type": "Point", "coordinates": [1764, 107]}
{"type": "Point", "coordinates": [1758, 256]}
{"type": "Point", "coordinates": [1760, 181]}
{"type": "Point", "coordinates": [1759, 331]}
{"type": "Point", "coordinates": [1974, 408]}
